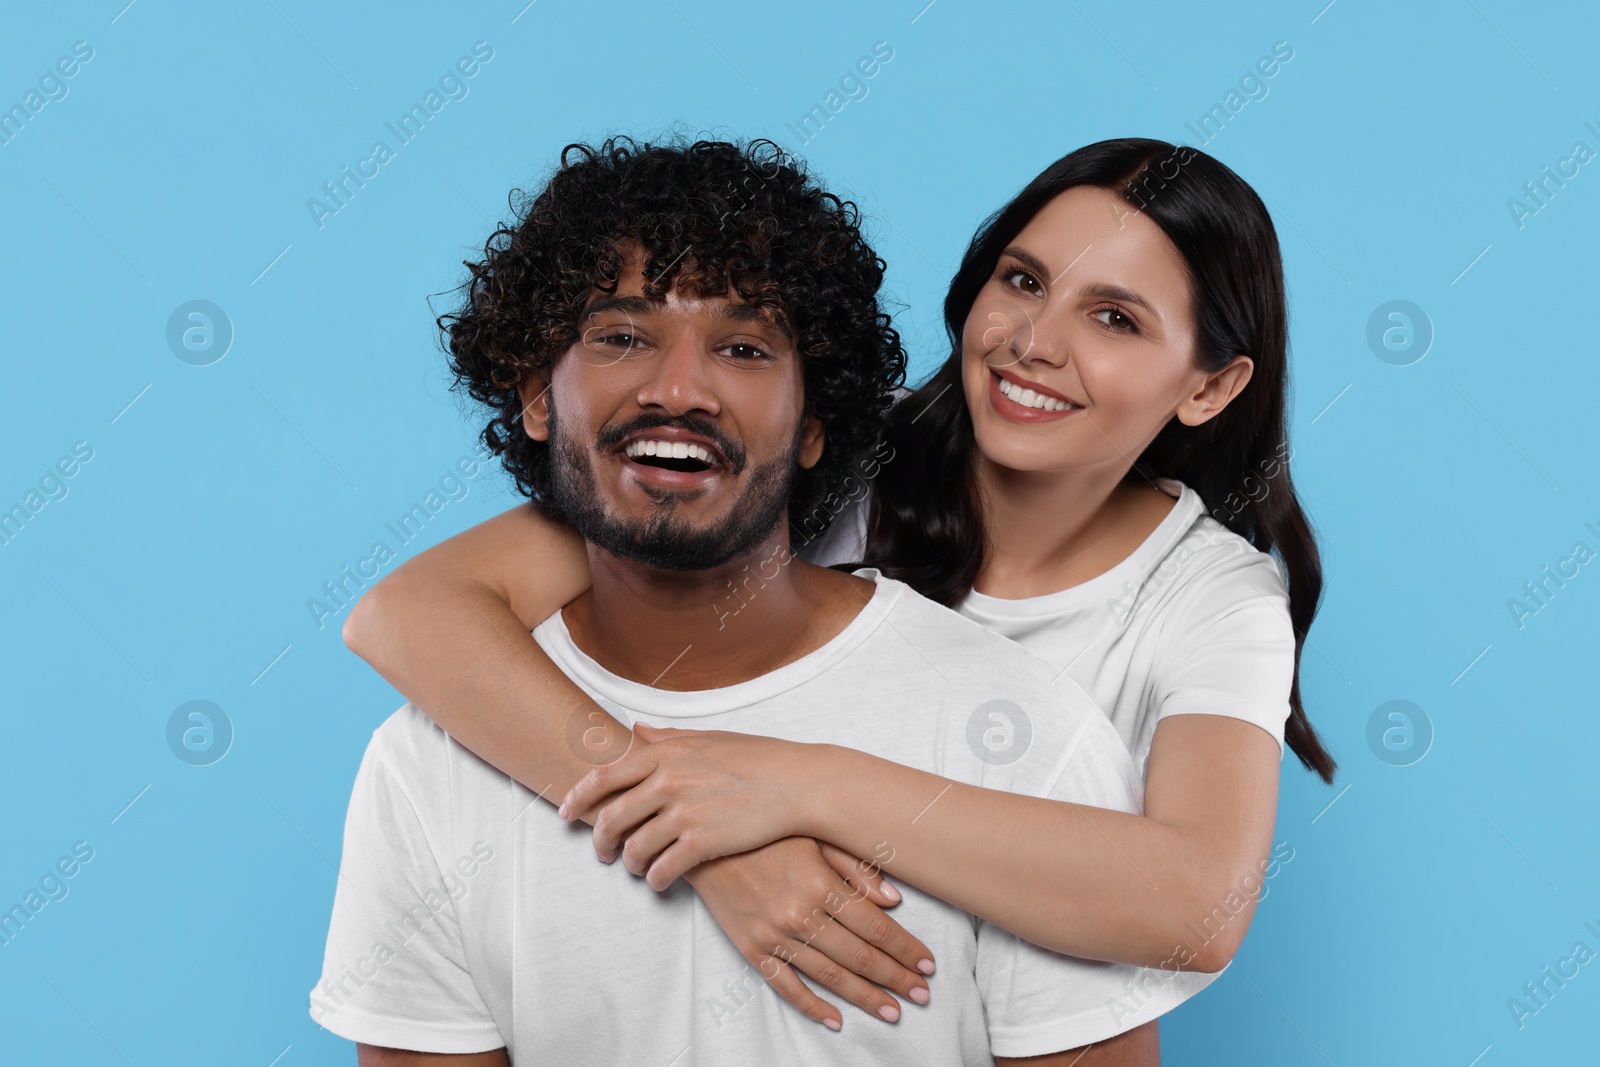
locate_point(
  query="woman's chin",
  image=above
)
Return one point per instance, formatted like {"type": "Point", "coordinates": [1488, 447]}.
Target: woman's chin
{"type": "Point", "coordinates": [1002, 450]}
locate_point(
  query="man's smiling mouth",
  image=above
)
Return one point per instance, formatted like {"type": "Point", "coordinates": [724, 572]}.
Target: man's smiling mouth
{"type": "Point", "coordinates": [687, 456]}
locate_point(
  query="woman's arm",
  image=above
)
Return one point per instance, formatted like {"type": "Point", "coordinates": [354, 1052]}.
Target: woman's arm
{"type": "Point", "coordinates": [1175, 887]}
{"type": "Point", "coordinates": [449, 630]}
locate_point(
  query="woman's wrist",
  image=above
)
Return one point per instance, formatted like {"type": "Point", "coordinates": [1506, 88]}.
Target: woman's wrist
{"type": "Point", "coordinates": [824, 796]}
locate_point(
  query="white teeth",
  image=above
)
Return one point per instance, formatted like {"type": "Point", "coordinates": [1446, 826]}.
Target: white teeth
{"type": "Point", "coordinates": [669, 450]}
{"type": "Point", "coordinates": [1030, 399]}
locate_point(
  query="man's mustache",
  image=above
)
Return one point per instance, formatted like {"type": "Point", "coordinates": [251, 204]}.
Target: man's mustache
{"type": "Point", "coordinates": [613, 436]}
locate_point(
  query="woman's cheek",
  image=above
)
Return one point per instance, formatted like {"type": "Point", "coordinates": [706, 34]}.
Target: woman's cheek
{"type": "Point", "coordinates": [974, 366]}
{"type": "Point", "coordinates": [996, 330]}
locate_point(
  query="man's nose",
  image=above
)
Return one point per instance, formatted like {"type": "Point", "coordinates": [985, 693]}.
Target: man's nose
{"type": "Point", "coordinates": [681, 381]}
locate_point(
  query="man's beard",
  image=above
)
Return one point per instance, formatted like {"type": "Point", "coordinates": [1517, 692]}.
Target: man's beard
{"type": "Point", "coordinates": [663, 540]}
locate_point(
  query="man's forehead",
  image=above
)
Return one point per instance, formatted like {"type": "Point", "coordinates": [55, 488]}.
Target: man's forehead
{"type": "Point", "coordinates": [687, 292]}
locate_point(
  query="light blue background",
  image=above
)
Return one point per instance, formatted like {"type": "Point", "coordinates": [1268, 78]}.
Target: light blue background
{"type": "Point", "coordinates": [179, 565]}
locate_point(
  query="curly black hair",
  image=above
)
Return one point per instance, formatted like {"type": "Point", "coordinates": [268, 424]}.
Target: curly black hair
{"type": "Point", "coordinates": [711, 215]}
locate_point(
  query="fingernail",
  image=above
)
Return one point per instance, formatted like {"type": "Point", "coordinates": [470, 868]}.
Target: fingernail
{"type": "Point", "coordinates": [925, 966]}
{"type": "Point", "coordinates": [918, 994]}
{"type": "Point", "coordinates": [890, 1012]}
{"type": "Point", "coordinates": [890, 891]}
{"type": "Point", "coordinates": [831, 1024]}
{"type": "Point", "coordinates": [562, 810]}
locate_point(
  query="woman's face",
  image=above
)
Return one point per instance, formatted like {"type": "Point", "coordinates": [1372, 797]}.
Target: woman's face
{"type": "Point", "coordinates": [1090, 311]}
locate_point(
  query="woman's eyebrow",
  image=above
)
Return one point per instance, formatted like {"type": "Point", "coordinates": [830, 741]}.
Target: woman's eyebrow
{"type": "Point", "coordinates": [1117, 292]}
{"type": "Point", "coordinates": [1029, 260]}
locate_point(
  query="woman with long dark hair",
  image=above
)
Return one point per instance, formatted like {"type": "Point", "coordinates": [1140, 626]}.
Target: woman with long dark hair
{"type": "Point", "coordinates": [1099, 471]}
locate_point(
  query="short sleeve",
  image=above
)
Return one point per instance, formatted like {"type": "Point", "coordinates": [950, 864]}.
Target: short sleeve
{"type": "Point", "coordinates": [394, 972]}
{"type": "Point", "coordinates": [1037, 1001]}
{"type": "Point", "coordinates": [1228, 647]}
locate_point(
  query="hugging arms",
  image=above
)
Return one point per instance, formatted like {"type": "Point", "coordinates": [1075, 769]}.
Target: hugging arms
{"type": "Point", "coordinates": [450, 630]}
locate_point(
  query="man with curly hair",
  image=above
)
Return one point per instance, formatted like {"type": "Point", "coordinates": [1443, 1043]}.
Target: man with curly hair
{"type": "Point", "coordinates": [683, 350]}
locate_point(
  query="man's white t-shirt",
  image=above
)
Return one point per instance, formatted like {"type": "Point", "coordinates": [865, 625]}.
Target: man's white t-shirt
{"type": "Point", "coordinates": [467, 917]}
{"type": "Point", "coordinates": [1195, 621]}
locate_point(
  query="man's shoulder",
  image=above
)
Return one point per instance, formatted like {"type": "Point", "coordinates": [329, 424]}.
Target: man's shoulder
{"type": "Point", "coordinates": [1030, 726]}
{"type": "Point", "coordinates": [981, 650]}
{"type": "Point", "coordinates": [416, 765]}
{"type": "Point", "coordinates": [968, 658]}
{"type": "Point", "coordinates": [413, 749]}
{"type": "Point", "coordinates": [408, 732]}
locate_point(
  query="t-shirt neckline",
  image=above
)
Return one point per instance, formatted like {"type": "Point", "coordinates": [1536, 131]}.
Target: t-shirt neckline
{"type": "Point", "coordinates": [556, 639]}
{"type": "Point", "coordinates": [1136, 567]}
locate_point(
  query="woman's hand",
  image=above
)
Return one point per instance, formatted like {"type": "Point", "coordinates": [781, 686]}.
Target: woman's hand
{"type": "Point", "coordinates": [798, 904]}
{"type": "Point", "coordinates": [689, 796]}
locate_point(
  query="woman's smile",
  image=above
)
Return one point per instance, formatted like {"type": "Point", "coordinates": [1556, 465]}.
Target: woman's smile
{"type": "Point", "coordinates": [1017, 399]}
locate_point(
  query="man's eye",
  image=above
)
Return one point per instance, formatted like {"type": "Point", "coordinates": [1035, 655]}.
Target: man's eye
{"type": "Point", "coordinates": [745, 352]}
{"type": "Point", "coordinates": [616, 340]}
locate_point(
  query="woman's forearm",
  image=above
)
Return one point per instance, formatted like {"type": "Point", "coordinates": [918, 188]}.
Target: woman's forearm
{"type": "Point", "coordinates": [1173, 890]}
{"type": "Point", "coordinates": [1050, 872]}
{"type": "Point", "coordinates": [450, 630]}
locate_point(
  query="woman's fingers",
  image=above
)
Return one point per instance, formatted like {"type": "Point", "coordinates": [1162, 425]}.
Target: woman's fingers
{"type": "Point", "coordinates": [874, 946]}
{"type": "Point", "coordinates": [622, 816]}
{"type": "Point", "coordinates": [650, 843]}
{"type": "Point", "coordinates": [870, 887]}
{"type": "Point", "coordinates": [846, 931]}
{"type": "Point", "coordinates": [786, 901]}
{"type": "Point", "coordinates": [682, 855]}
{"type": "Point", "coordinates": [843, 982]}
{"type": "Point", "coordinates": [865, 878]}
{"type": "Point", "coordinates": [593, 788]}
{"type": "Point", "coordinates": [782, 978]}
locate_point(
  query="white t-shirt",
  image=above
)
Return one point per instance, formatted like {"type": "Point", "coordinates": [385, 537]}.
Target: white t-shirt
{"type": "Point", "coordinates": [467, 917]}
{"type": "Point", "coordinates": [1196, 620]}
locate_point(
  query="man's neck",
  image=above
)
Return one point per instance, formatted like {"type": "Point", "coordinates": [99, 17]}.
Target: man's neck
{"type": "Point", "coordinates": [687, 630]}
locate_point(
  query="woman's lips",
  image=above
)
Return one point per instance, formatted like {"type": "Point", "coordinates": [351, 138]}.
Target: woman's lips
{"type": "Point", "coordinates": [1012, 411]}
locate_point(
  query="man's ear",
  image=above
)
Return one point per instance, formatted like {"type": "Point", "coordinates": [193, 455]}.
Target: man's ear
{"type": "Point", "coordinates": [1214, 394]}
{"type": "Point", "coordinates": [811, 440]}
{"type": "Point", "coordinates": [535, 393]}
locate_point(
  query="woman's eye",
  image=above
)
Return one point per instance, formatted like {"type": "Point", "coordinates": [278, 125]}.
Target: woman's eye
{"type": "Point", "coordinates": [744, 352]}
{"type": "Point", "coordinates": [1021, 279]}
{"type": "Point", "coordinates": [1115, 319]}
{"type": "Point", "coordinates": [620, 340]}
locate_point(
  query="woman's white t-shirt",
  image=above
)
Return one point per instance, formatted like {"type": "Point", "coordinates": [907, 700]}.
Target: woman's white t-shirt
{"type": "Point", "coordinates": [1195, 621]}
